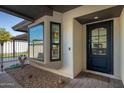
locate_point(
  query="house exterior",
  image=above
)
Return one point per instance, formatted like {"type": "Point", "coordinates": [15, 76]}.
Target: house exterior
{"type": "Point", "coordinates": [74, 49]}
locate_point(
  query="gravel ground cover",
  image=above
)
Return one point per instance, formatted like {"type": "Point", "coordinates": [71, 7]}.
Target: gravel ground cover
{"type": "Point", "coordinates": [32, 77]}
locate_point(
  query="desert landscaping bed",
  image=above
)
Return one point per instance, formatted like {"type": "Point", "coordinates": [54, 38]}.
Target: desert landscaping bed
{"type": "Point", "coordinates": [32, 77]}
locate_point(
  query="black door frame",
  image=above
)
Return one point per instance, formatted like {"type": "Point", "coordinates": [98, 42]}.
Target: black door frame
{"type": "Point", "coordinates": [110, 71]}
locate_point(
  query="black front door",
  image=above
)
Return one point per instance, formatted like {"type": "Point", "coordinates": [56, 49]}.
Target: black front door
{"type": "Point", "coordinates": [100, 47]}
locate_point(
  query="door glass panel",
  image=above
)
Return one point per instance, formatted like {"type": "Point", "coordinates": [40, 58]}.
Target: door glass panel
{"type": "Point", "coordinates": [99, 49]}
{"type": "Point", "coordinates": [102, 31]}
{"type": "Point", "coordinates": [94, 38]}
{"type": "Point", "coordinates": [102, 39]}
{"type": "Point", "coordinates": [99, 41]}
{"type": "Point", "coordinates": [102, 45]}
{"type": "Point", "coordinates": [102, 52]}
{"type": "Point", "coordinates": [95, 45]}
{"type": "Point", "coordinates": [102, 49]}
{"type": "Point", "coordinates": [95, 32]}
{"type": "Point", "coordinates": [95, 48]}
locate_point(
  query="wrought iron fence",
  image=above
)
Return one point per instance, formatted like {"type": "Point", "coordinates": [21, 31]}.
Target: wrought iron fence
{"type": "Point", "coordinates": [13, 49]}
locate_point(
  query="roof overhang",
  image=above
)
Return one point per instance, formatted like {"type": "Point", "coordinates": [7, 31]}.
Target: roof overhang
{"type": "Point", "coordinates": [23, 37]}
{"type": "Point", "coordinates": [102, 15]}
{"type": "Point", "coordinates": [33, 12]}
{"type": "Point", "coordinates": [28, 12]}
{"type": "Point", "coordinates": [63, 8]}
{"type": "Point", "coordinates": [22, 26]}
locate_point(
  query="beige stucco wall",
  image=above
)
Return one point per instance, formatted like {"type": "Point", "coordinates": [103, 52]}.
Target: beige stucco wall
{"type": "Point", "coordinates": [73, 37]}
{"type": "Point", "coordinates": [116, 50]}
{"type": "Point", "coordinates": [69, 36]}
{"type": "Point", "coordinates": [66, 69]}
{"type": "Point", "coordinates": [122, 45]}
{"type": "Point", "coordinates": [78, 47]}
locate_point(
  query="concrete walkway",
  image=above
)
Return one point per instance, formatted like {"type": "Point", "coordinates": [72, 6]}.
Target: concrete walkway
{"type": "Point", "coordinates": [6, 81]}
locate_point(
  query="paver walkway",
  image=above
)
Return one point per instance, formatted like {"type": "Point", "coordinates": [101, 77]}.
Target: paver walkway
{"type": "Point", "coordinates": [89, 80]}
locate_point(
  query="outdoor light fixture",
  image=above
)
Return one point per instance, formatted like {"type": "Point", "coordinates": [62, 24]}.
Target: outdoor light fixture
{"type": "Point", "coordinates": [96, 17]}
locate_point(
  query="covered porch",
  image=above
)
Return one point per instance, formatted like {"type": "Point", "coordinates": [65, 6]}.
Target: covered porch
{"type": "Point", "coordinates": [62, 48]}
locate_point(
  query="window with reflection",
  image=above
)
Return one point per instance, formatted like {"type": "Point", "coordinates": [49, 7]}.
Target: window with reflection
{"type": "Point", "coordinates": [99, 41]}
{"type": "Point", "coordinates": [36, 42]}
{"type": "Point", "coordinates": [55, 44]}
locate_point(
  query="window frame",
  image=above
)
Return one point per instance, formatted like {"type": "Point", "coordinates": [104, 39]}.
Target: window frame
{"type": "Point", "coordinates": [42, 23]}
{"type": "Point", "coordinates": [51, 43]}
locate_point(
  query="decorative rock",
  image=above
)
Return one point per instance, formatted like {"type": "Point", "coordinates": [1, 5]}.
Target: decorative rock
{"type": "Point", "coordinates": [60, 81]}
{"type": "Point", "coordinates": [30, 76]}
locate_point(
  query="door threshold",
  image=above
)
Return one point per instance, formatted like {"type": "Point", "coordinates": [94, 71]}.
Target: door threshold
{"type": "Point", "coordinates": [103, 74]}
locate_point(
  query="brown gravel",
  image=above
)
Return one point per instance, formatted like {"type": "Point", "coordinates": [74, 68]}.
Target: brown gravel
{"type": "Point", "coordinates": [32, 77]}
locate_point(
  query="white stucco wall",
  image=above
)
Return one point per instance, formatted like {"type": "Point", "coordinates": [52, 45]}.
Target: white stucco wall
{"type": "Point", "coordinates": [122, 45]}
